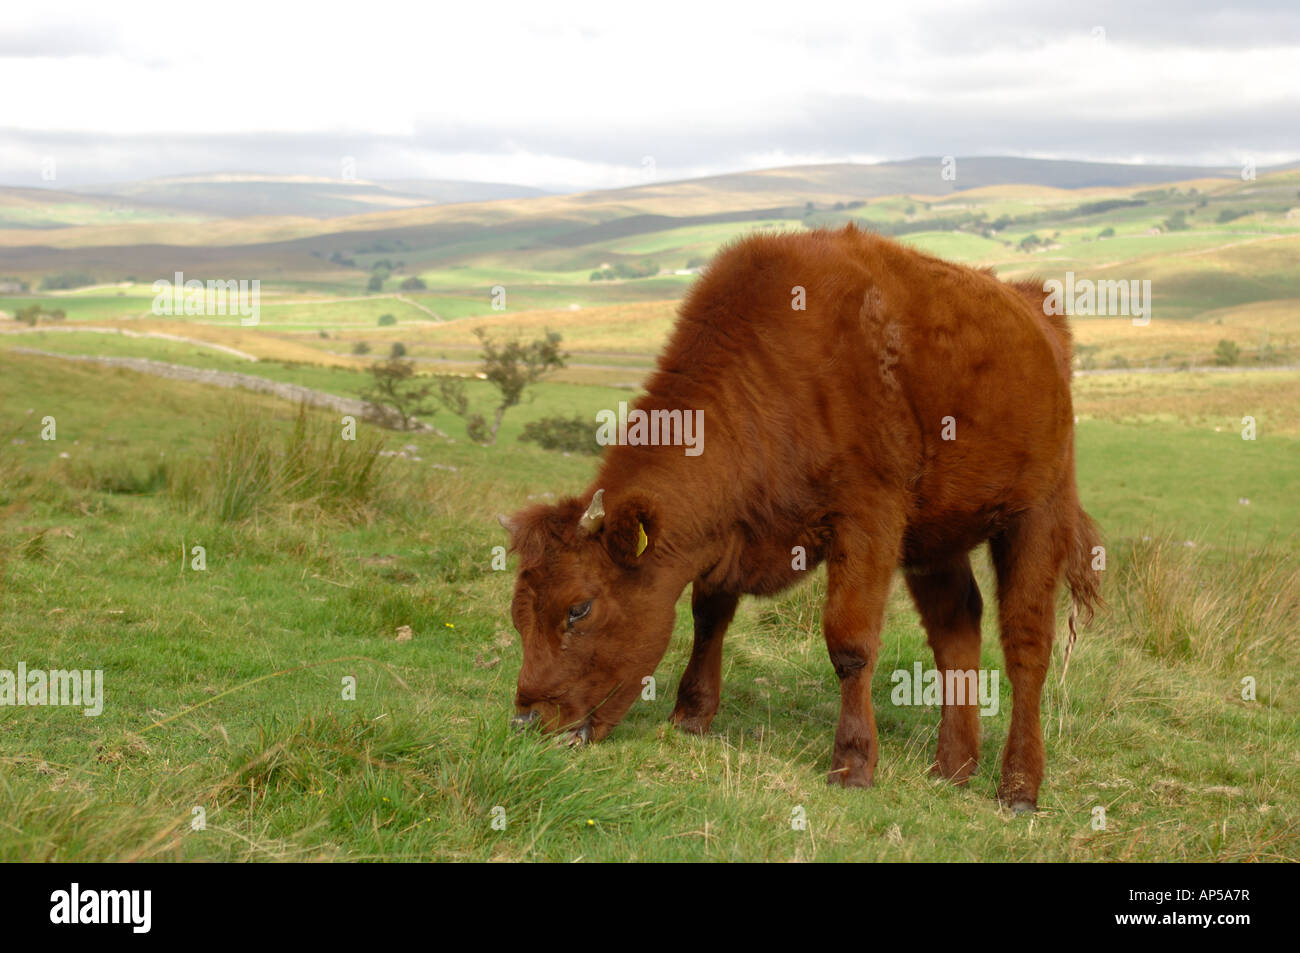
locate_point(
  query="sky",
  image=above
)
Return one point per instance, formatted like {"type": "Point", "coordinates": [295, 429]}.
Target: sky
{"type": "Point", "coordinates": [562, 95]}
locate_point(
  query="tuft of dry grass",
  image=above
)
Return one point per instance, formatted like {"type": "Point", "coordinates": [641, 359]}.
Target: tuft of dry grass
{"type": "Point", "coordinates": [1214, 605]}
{"type": "Point", "coordinates": [254, 467]}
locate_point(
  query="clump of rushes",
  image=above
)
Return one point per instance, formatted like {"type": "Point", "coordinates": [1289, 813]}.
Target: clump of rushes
{"type": "Point", "coordinates": [254, 467]}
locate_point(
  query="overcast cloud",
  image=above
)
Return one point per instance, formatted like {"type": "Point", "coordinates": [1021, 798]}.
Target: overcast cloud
{"type": "Point", "coordinates": [562, 95]}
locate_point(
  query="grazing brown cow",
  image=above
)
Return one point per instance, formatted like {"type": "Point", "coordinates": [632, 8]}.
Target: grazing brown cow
{"type": "Point", "coordinates": [909, 411]}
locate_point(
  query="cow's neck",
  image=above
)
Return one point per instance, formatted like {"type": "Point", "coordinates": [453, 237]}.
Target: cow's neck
{"type": "Point", "coordinates": [694, 501]}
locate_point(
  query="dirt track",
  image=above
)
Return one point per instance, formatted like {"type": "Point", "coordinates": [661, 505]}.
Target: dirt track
{"type": "Point", "coordinates": [291, 392]}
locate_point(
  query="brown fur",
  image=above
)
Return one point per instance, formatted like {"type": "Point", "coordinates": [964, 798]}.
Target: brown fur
{"type": "Point", "coordinates": [823, 430]}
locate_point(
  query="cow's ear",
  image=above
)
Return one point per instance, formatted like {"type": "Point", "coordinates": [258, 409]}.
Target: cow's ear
{"type": "Point", "coordinates": [631, 532]}
{"type": "Point", "coordinates": [528, 532]}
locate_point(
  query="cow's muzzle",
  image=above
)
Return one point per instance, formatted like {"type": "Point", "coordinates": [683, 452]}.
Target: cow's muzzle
{"type": "Point", "coordinates": [572, 736]}
{"type": "Point", "coordinates": [524, 719]}
{"type": "Point", "coordinates": [577, 736]}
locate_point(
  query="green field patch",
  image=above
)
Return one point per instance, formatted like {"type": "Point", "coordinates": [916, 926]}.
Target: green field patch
{"type": "Point", "coordinates": [224, 687]}
{"type": "Point", "coordinates": [119, 345]}
{"type": "Point", "coordinates": [96, 307]}
{"type": "Point", "coordinates": [956, 246]}
{"type": "Point", "coordinates": [697, 239]}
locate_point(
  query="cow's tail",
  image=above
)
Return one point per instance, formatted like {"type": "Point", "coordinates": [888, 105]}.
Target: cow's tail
{"type": "Point", "coordinates": [1084, 580]}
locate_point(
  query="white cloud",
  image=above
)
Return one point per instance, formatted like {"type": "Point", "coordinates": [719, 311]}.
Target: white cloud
{"type": "Point", "coordinates": [579, 92]}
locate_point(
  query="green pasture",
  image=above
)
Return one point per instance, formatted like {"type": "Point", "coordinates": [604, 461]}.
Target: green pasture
{"type": "Point", "coordinates": [224, 686]}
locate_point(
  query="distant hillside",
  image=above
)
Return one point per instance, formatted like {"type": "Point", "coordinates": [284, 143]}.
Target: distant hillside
{"type": "Point", "coordinates": [243, 195]}
{"type": "Point", "coordinates": [32, 208]}
{"type": "Point", "coordinates": [923, 176]}
{"type": "Point", "coordinates": [447, 191]}
{"type": "Point", "coordinates": [585, 233]}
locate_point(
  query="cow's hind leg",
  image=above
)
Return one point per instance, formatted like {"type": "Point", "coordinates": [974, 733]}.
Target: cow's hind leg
{"type": "Point", "coordinates": [1028, 558]}
{"type": "Point", "coordinates": [700, 691]}
{"type": "Point", "coordinates": [948, 599]}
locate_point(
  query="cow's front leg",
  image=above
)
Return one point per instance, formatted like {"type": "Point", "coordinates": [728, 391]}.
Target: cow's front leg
{"type": "Point", "coordinates": [859, 571]}
{"type": "Point", "coordinates": [700, 691]}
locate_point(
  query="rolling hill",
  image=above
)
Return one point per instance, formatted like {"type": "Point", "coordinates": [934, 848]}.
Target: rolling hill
{"type": "Point", "coordinates": [239, 195]}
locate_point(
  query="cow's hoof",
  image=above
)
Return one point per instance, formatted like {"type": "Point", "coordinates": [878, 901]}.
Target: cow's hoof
{"type": "Point", "coordinates": [851, 776]}
{"type": "Point", "coordinates": [692, 724]}
{"type": "Point", "coordinates": [1023, 807]}
{"type": "Point", "coordinates": [958, 775]}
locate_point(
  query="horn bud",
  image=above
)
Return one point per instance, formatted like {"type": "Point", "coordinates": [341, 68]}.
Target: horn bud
{"type": "Point", "coordinates": [595, 514]}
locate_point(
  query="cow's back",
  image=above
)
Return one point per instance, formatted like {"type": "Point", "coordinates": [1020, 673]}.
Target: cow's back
{"type": "Point", "coordinates": [892, 352]}
{"type": "Point", "coordinates": [985, 376]}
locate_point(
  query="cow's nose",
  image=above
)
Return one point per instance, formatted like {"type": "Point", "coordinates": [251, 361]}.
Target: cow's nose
{"type": "Point", "coordinates": [523, 719]}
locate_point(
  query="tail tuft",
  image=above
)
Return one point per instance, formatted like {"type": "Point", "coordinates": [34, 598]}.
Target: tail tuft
{"type": "Point", "coordinates": [1083, 580]}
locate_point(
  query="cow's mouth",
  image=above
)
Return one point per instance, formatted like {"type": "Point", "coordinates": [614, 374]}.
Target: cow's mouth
{"type": "Point", "coordinates": [576, 734]}
{"type": "Point", "coordinates": [576, 737]}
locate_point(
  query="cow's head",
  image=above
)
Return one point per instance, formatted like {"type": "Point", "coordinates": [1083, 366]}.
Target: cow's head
{"type": "Point", "coordinates": [594, 606]}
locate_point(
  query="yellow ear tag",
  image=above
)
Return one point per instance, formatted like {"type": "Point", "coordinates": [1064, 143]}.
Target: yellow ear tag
{"type": "Point", "coordinates": [642, 541]}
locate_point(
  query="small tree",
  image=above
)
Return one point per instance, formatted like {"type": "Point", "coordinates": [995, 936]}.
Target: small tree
{"type": "Point", "coordinates": [451, 394]}
{"type": "Point", "coordinates": [32, 314]}
{"type": "Point", "coordinates": [375, 283]}
{"type": "Point", "coordinates": [66, 281]}
{"type": "Point", "coordinates": [386, 319]}
{"type": "Point", "coordinates": [566, 434]}
{"type": "Point", "coordinates": [397, 394]}
{"type": "Point", "coordinates": [397, 350]}
{"type": "Point", "coordinates": [512, 367]}
{"type": "Point", "coordinates": [413, 284]}
{"type": "Point", "coordinates": [1227, 353]}
{"type": "Point", "coordinates": [361, 347]}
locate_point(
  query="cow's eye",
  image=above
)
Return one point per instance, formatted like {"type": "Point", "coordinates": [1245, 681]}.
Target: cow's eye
{"type": "Point", "coordinates": [578, 612]}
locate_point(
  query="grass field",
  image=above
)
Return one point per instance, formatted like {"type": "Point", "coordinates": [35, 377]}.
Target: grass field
{"type": "Point", "coordinates": [224, 686]}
